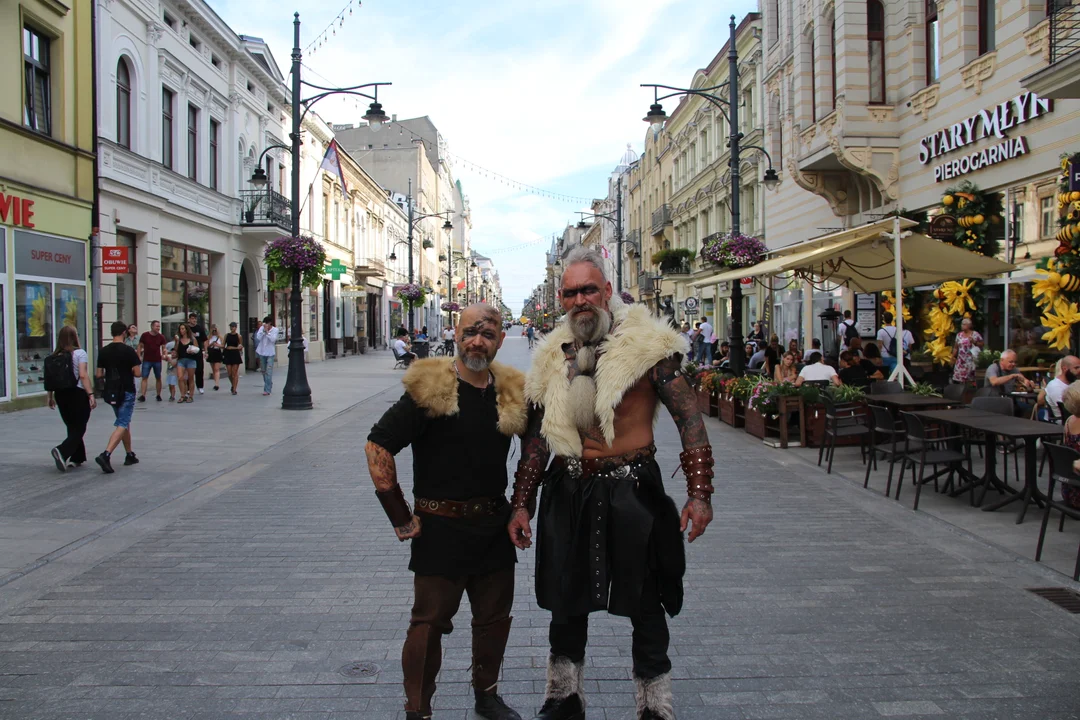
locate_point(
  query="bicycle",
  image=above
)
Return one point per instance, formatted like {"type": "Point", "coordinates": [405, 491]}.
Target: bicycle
{"type": "Point", "coordinates": [441, 351]}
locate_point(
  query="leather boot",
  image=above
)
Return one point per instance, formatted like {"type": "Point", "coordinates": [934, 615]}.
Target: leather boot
{"type": "Point", "coordinates": [654, 698]}
{"type": "Point", "coordinates": [492, 707]}
{"type": "Point", "coordinates": [416, 716]}
{"type": "Point", "coordinates": [421, 658]}
{"type": "Point", "coordinates": [565, 697]}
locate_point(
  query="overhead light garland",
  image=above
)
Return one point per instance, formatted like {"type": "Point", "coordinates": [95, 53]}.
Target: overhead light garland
{"type": "Point", "coordinates": [331, 29]}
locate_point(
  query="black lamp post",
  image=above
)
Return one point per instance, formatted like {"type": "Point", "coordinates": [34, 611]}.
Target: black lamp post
{"type": "Point", "coordinates": [297, 393]}
{"type": "Point", "coordinates": [413, 219]}
{"type": "Point", "coordinates": [656, 117]}
{"type": "Point", "coordinates": [619, 241]}
{"type": "Point", "coordinates": [454, 257]}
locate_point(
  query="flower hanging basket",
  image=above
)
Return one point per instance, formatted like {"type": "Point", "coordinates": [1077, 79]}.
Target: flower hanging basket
{"type": "Point", "coordinates": [451, 307]}
{"type": "Point", "coordinates": [626, 297]}
{"type": "Point", "coordinates": [412, 295]}
{"type": "Point", "coordinates": [303, 254]}
{"type": "Point", "coordinates": [734, 251]}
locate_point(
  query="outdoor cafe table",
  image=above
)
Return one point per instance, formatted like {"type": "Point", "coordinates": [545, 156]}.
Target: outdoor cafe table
{"type": "Point", "coordinates": [992, 426]}
{"type": "Point", "coordinates": [908, 401]}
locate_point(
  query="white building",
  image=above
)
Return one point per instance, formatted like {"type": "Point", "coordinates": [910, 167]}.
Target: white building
{"type": "Point", "coordinates": [186, 108]}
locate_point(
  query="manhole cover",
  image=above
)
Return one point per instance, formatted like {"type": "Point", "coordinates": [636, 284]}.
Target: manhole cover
{"type": "Point", "coordinates": [359, 670]}
{"type": "Point", "coordinates": [1062, 597]}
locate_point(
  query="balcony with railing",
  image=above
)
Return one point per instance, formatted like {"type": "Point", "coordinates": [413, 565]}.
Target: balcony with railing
{"type": "Point", "coordinates": [265, 209]}
{"type": "Point", "coordinates": [370, 267]}
{"type": "Point", "coordinates": [1059, 38]}
{"type": "Point", "coordinates": [633, 241]}
{"type": "Point", "coordinates": [660, 218]}
{"type": "Point", "coordinates": [645, 284]}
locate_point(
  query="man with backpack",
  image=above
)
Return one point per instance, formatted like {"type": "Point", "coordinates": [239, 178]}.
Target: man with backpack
{"type": "Point", "coordinates": [890, 345]}
{"type": "Point", "coordinates": [118, 365]}
{"type": "Point", "coordinates": [847, 331]}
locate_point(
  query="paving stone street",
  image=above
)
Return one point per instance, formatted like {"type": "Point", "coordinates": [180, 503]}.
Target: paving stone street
{"type": "Point", "coordinates": [245, 562]}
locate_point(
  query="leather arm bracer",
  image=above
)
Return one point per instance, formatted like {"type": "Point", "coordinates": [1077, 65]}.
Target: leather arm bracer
{"type": "Point", "coordinates": [393, 502]}
{"type": "Point", "coordinates": [526, 485]}
{"type": "Point", "coordinates": [697, 464]}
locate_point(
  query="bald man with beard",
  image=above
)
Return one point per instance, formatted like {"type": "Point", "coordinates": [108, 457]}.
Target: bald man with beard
{"type": "Point", "coordinates": [459, 414]}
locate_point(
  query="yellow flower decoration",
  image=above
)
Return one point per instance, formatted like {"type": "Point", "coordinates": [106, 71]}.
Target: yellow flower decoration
{"type": "Point", "coordinates": [958, 296]}
{"type": "Point", "coordinates": [1060, 321]}
{"type": "Point", "coordinates": [1046, 290]}
{"type": "Point", "coordinates": [38, 318]}
{"type": "Point", "coordinates": [941, 352]}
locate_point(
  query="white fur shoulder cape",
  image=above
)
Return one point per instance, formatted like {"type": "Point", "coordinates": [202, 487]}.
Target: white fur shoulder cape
{"type": "Point", "coordinates": [637, 342]}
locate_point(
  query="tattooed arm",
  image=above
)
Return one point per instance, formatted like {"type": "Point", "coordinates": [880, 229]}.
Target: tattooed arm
{"type": "Point", "coordinates": [681, 401]}
{"type": "Point", "coordinates": [534, 459]}
{"type": "Point", "coordinates": [394, 431]}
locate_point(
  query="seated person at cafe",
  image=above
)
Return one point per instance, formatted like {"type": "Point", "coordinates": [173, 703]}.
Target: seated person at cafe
{"type": "Point", "coordinates": [855, 346]}
{"type": "Point", "coordinates": [817, 371]}
{"type": "Point", "coordinates": [757, 359]}
{"type": "Point", "coordinates": [401, 349]}
{"type": "Point", "coordinates": [1070, 495]}
{"type": "Point", "coordinates": [721, 354]}
{"type": "Point", "coordinates": [1005, 378]}
{"type": "Point", "coordinates": [871, 363]}
{"type": "Point", "coordinates": [1066, 372]}
{"type": "Point", "coordinates": [852, 372]}
{"type": "Point", "coordinates": [815, 347]}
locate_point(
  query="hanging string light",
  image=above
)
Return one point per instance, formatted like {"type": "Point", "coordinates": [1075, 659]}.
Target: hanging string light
{"type": "Point", "coordinates": [331, 29]}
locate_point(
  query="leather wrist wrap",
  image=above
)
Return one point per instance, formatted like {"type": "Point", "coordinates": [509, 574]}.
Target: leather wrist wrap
{"type": "Point", "coordinates": [393, 503]}
{"type": "Point", "coordinates": [697, 464]}
{"type": "Point", "coordinates": [526, 482]}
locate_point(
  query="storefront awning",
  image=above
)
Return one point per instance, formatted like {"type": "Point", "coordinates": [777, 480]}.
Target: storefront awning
{"type": "Point", "coordinates": [863, 260]}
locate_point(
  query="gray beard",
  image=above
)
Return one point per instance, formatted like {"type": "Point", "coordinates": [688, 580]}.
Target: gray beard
{"type": "Point", "coordinates": [590, 329]}
{"type": "Point", "coordinates": [476, 363]}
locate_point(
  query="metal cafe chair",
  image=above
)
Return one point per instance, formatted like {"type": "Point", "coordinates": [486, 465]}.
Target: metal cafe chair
{"type": "Point", "coordinates": [1000, 406]}
{"type": "Point", "coordinates": [922, 449]}
{"type": "Point", "coordinates": [892, 449]}
{"type": "Point", "coordinates": [841, 421]}
{"type": "Point", "coordinates": [1061, 470]}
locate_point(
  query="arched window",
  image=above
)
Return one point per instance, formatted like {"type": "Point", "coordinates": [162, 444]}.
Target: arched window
{"type": "Point", "coordinates": [123, 104]}
{"type": "Point", "coordinates": [875, 32]}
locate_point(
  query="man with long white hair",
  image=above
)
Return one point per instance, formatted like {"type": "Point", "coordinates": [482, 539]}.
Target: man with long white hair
{"type": "Point", "coordinates": [459, 414]}
{"type": "Point", "coordinates": [609, 537]}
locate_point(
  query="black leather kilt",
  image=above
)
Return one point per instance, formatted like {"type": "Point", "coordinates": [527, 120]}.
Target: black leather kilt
{"type": "Point", "coordinates": [600, 538]}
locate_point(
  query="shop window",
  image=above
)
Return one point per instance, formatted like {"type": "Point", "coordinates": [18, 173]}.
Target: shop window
{"type": "Point", "coordinates": [125, 282]}
{"type": "Point", "coordinates": [215, 160]}
{"type": "Point", "coordinates": [167, 97]}
{"type": "Point", "coordinates": [875, 33]}
{"type": "Point", "coordinates": [280, 310]}
{"type": "Point", "coordinates": [33, 333]}
{"type": "Point", "coordinates": [185, 286]}
{"type": "Point", "coordinates": [193, 142]}
{"type": "Point", "coordinates": [37, 108]}
{"type": "Point", "coordinates": [933, 43]}
{"type": "Point", "coordinates": [1048, 217]}
{"type": "Point", "coordinates": [1026, 329]}
{"type": "Point", "coordinates": [123, 104]}
{"type": "Point", "coordinates": [313, 316]}
{"type": "Point", "coordinates": [70, 308]}
{"type": "Point", "coordinates": [987, 26]}
{"type": "Point", "coordinates": [3, 346]}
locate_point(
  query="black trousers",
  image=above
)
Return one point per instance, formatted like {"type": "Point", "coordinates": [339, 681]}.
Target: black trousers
{"type": "Point", "coordinates": [74, 406]}
{"type": "Point", "coordinates": [199, 365]}
{"type": "Point", "coordinates": [649, 643]}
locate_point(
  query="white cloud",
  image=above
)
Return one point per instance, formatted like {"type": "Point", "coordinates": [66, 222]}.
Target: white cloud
{"type": "Point", "coordinates": [541, 93]}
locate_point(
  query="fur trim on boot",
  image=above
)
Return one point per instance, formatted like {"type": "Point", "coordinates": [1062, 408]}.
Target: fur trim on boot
{"type": "Point", "coordinates": [654, 698]}
{"type": "Point", "coordinates": [564, 678]}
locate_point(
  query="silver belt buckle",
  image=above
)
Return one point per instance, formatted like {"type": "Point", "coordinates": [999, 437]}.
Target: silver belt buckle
{"type": "Point", "coordinates": [573, 466]}
{"type": "Point", "coordinates": [622, 472]}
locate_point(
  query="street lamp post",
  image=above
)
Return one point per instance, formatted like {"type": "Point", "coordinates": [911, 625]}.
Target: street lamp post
{"type": "Point", "coordinates": [656, 117]}
{"type": "Point", "coordinates": [413, 219]}
{"type": "Point", "coordinates": [297, 392]}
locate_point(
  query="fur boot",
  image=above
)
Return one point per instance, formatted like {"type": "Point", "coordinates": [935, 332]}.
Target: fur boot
{"type": "Point", "coordinates": [654, 698]}
{"type": "Point", "coordinates": [564, 697]}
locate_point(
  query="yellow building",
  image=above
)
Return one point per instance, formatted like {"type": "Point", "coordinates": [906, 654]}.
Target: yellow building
{"type": "Point", "coordinates": [46, 187]}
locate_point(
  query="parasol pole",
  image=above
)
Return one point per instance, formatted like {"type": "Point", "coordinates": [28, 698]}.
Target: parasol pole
{"type": "Point", "coordinates": [899, 373]}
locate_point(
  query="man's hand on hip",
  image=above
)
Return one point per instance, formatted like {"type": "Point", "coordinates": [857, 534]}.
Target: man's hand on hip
{"type": "Point", "coordinates": [409, 530]}
{"type": "Point", "coordinates": [697, 514]}
{"type": "Point", "coordinates": [520, 530]}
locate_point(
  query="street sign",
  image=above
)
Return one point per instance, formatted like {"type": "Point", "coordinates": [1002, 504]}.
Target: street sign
{"type": "Point", "coordinates": [114, 260]}
{"type": "Point", "coordinates": [336, 268]}
{"type": "Point", "coordinates": [691, 304]}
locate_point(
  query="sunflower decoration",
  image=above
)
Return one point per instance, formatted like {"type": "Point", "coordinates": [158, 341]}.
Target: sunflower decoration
{"type": "Point", "coordinates": [958, 296]}
{"type": "Point", "coordinates": [39, 318]}
{"type": "Point", "coordinates": [940, 351]}
{"type": "Point", "coordinates": [888, 304]}
{"type": "Point", "coordinates": [71, 313]}
{"type": "Point", "coordinates": [1060, 320]}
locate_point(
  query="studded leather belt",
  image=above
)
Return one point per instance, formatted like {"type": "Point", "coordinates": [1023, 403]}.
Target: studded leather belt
{"type": "Point", "coordinates": [616, 465]}
{"type": "Point", "coordinates": [460, 509]}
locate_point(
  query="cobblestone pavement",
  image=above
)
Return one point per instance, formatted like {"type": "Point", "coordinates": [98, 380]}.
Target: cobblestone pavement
{"type": "Point", "coordinates": [807, 598]}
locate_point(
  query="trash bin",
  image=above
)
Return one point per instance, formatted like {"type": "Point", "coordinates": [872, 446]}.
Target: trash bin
{"type": "Point", "coordinates": [421, 347]}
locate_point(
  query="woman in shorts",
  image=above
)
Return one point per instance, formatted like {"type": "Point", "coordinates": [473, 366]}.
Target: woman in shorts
{"type": "Point", "coordinates": [186, 350]}
{"type": "Point", "coordinates": [214, 354]}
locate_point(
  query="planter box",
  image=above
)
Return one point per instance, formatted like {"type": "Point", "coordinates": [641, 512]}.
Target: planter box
{"type": "Point", "coordinates": [730, 411]}
{"type": "Point", "coordinates": [703, 401]}
{"type": "Point", "coordinates": [759, 426]}
{"type": "Point", "coordinates": [789, 405]}
{"type": "Point", "coordinates": [815, 426]}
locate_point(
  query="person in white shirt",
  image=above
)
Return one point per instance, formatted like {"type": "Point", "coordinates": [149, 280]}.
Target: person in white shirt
{"type": "Point", "coordinates": [266, 349]}
{"type": "Point", "coordinates": [843, 330]}
{"type": "Point", "coordinates": [885, 337]}
{"type": "Point", "coordinates": [1068, 371]}
{"type": "Point", "coordinates": [815, 347]}
{"type": "Point", "coordinates": [448, 339]}
{"type": "Point", "coordinates": [705, 354]}
{"type": "Point", "coordinates": [817, 371]}
{"type": "Point", "coordinates": [401, 349]}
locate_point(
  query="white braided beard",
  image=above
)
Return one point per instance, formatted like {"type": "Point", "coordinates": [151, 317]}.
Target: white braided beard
{"type": "Point", "coordinates": [589, 328]}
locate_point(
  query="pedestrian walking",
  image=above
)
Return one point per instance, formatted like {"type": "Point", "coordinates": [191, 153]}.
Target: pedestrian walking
{"type": "Point", "coordinates": [168, 357]}
{"type": "Point", "coordinates": [198, 332]}
{"type": "Point", "coordinates": [593, 391]}
{"type": "Point", "coordinates": [448, 340]}
{"type": "Point", "coordinates": [967, 345]}
{"type": "Point", "coordinates": [67, 379]}
{"type": "Point", "coordinates": [460, 416]}
{"type": "Point", "coordinates": [707, 339]}
{"type": "Point", "coordinates": [233, 356]}
{"type": "Point", "coordinates": [186, 349]}
{"type": "Point", "coordinates": [266, 350]}
{"type": "Point", "coordinates": [214, 353]}
{"type": "Point", "coordinates": [150, 344]}
{"type": "Point", "coordinates": [893, 348]}
{"type": "Point", "coordinates": [131, 337]}
{"type": "Point", "coordinates": [118, 365]}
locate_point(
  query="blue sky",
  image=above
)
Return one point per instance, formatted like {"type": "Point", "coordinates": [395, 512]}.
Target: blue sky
{"type": "Point", "coordinates": [545, 93]}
